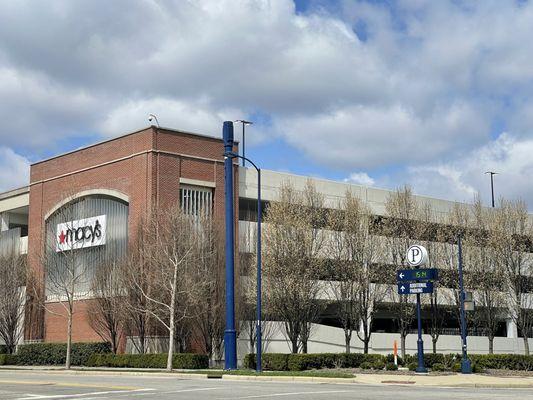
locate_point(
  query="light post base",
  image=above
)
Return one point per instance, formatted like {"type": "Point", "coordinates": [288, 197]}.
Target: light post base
{"type": "Point", "coordinates": [421, 369]}
{"type": "Point", "coordinates": [466, 366]}
{"type": "Point", "coordinates": [230, 342]}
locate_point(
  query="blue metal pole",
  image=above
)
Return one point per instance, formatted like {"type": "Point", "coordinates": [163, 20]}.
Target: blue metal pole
{"type": "Point", "coordinates": [258, 365]}
{"type": "Point", "coordinates": [466, 368]}
{"type": "Point", "coordinates": [420, 342]}
{"type": "Point", "coordinates": [230, 337]}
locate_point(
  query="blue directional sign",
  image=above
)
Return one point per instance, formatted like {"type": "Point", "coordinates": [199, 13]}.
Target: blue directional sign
{"type": "Point", "coordinates": [406, 275]}
{"type": "Point", "coordinates": [415, 287]}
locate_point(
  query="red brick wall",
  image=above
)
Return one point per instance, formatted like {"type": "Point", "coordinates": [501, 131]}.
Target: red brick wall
{"type": "Point", "coordinates": [145, 166]}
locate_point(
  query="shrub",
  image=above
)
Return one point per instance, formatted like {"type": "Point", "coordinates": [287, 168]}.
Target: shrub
{"type": "Point", "coordinates": [389, 358]}
{"type": "Point", "coordinates": [3, 349]}
{"type": "Point", "coordinates": [301, 362]}
{"type": "Point", "coordinates": [55, 353]}
{"type": "Point", "coordinates": [517, 362]}
{"type": "Point", "coordinates": [391, 367]}
{"type": "Point", "coordinates": [378, 365]}
{"type": "Point", "coordinates": [476, 369]}
{"type": "Point", "coordinates": [456, 367]}
{"type": "Point", "coordinates": [270, 361]}
{"type": "Point", "coordinates": [438, 367]}
{"type": "Point", "coordinates": [412, 366]}
{"type": "Point", "coordinates": [433, 358]}
{"type": "Point", "coordinates": [9, 359]}
{"type": "Point", "coordinates": [366, 365]}
{"type": "Point", "coordinates": [159, 360]}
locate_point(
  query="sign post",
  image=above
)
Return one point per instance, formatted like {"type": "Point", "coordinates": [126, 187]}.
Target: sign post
{"type": "Point", "coordinates": [417, 281]}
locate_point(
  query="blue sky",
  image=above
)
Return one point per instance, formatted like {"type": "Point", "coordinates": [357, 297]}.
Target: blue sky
{"type": "Point", "coordinates": [383, 93]}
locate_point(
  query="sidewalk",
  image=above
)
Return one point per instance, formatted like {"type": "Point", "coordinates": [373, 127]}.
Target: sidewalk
{"type": "Point", "coordinates": [456, 380]}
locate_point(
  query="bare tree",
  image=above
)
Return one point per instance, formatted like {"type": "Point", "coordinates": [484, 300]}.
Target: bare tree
{"type": "Point", "coordinates": [68, 257]}
{"type": "Point", "coordinates": [354, 250]}
{"type": "Point", "coordinates": [170, 246]}
{"type": "Point", "coordinates": [513, 233]}
{"type": "Point", "coordinates": [135, 277]}
{"type": "Point", "coordinates": [400, 229]}
{"type": "Point", "coordinates": [12, 297]}
{"type": "Point", "coordinates": [106, 310]}
{"type": "Point", "coordinates": [209, 310]}
{"type": "Point", "coordinates": [294, 242]}
{"type": "Point", "coordinates": [488, 274]}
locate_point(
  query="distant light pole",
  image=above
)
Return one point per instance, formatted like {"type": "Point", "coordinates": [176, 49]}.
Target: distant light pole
{"type": "Point", "coordinates": [492, 184]}
{"type": "Point", "coordinates": [232, 155]}
{"type": "Point", "coordinates": [244, 123]}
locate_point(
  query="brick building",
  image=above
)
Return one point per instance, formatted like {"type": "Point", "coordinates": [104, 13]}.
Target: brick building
{"type": "Point", "coordinates": [149, 168]}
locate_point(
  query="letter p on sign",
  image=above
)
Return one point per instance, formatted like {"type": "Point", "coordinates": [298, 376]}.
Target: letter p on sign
{"type": "Point", "coordinates": [417, 255]}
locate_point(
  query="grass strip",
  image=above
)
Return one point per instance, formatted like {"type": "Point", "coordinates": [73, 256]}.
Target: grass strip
{"type": "Point", "coordinates": [248, 372]}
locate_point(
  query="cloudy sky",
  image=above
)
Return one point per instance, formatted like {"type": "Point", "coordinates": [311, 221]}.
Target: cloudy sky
{"type": "Point", "coordinates": [429, 93]}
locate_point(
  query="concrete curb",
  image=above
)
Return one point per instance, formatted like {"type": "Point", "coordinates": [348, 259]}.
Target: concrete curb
{"type": "Point", "coordinates": [472, 381]}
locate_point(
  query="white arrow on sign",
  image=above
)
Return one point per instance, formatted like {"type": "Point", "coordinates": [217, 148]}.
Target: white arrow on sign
{"type": "Point", "coordinates": [401, 275]}
{"type": "Point", "coordinates": [402, 288]}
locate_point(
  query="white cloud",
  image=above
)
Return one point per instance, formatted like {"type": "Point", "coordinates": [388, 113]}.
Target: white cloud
{"type": "Point", "coordinates": [170, 113]}
{"type": "Point", "coordinates": [464, 177]}
{"type": "Point", "coordinates": [358, 136]}
{"type": "Point", "coordinates": [426, 84]}
{"type": "Point", "coordinates": [14, 169]}
{"type": "Point", "coordinates": [360, 178]}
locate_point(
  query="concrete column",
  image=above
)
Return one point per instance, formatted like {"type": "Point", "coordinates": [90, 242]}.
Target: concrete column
{"type": "Point", "coordinates": [512, 331]}
{"type": "Point", "coordinates": [4, 222]}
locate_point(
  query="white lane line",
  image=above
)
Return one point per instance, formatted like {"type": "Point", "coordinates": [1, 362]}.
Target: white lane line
{"type": "Point", "coordinates": [258, 396]}
{"type": "Point", "coordinates": [77, 395]}
{"type": "Point", "coordinates": [191, 390]}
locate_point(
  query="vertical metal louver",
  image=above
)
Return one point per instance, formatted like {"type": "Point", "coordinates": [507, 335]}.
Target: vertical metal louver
{"type": "Point", "coordinates": [196, 200]}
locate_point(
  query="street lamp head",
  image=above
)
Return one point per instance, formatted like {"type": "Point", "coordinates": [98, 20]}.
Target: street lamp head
{"type": "Point", "coordinates": [491, 172]}
{"type": "Point", "coordinates": [244, 122]}
{"type": "Point", "coordinates": [153, 117]}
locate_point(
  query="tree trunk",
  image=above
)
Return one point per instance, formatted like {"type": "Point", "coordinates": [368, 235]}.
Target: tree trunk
{"type": "Point", "coordinates": [347, 339]}
{"type": "Point", "coordinates": [304, 346]}
{"type": "Point", "coordinates": [69, 339]}
{"type": "Point", "coordinates": [402, 344]}
{"type": "Point", "coordinates": [434, 340]}
{"type": "Point", "coordinates": [366, 342]}
{"type": "Point", "coordinates": [172, 323]}
{"type": "Point", "coordinates": [294, 343]}
{"type": "Point", "coordinates": [491, 344]}
{"type": "Point", "coordinates": [526, 345]}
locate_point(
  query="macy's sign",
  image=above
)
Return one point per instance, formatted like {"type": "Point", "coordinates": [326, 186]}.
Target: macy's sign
{"type": "Point", "coordinates": [87, 232]}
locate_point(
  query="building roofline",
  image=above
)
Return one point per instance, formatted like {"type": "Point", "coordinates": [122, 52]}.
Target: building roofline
{"type": "Point", "coordinates": [330, 180]}
{"type": "Point", "coordinates": [153, 127]}
{"type": "Point", "coordinates": [14, 192]}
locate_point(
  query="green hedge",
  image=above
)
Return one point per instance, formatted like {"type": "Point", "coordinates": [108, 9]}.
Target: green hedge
{"type": "Point", "coordinates": [55, 353]}
{"type": "Point", "coordinates": [516, 362]}
{"type": "Point", "coordinates": [179, 361]}
{"type": "Point", "coordinates": [9, 359]}
{"type": "Point", "coordinates": [302, 362]}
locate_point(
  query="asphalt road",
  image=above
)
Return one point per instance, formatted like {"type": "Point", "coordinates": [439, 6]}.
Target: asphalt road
{"type": "Point", "coordinates": [31, 385]}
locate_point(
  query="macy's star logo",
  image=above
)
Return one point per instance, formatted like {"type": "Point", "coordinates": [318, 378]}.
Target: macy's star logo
{"type": "Point", "coordinates": [62, 238]}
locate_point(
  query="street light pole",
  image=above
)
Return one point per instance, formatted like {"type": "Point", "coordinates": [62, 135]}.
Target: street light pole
{"type": "Point", "coordinates": [244, 123]}
{"type": "Point", "coordinates": [466, 367]}
{"type": "Point", "coordinates": [230, 335]}
{"type": "Point", "coordinates": [258, 363]}
{"type": "Point", "coordinates": [492, 184]}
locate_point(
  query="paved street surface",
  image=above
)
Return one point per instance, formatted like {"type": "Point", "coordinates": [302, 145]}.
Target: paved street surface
{"type": "Point", "coordinates": [31, 385]}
